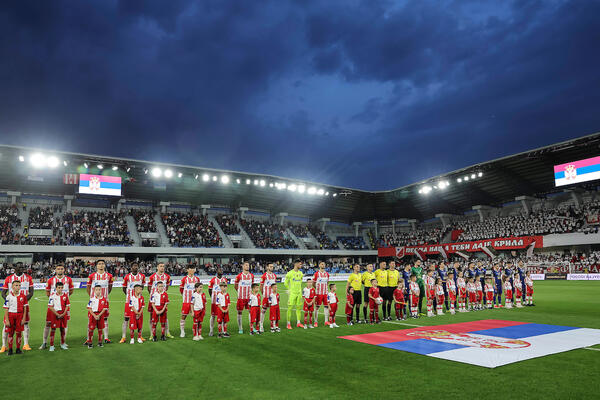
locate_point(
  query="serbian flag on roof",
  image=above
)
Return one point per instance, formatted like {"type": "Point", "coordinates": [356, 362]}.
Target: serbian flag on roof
{"type": "Point", "coordinates": [577, 171]}
{"type": "Point", "coordinates": [99, 184]}
{"type": "Point", "coordinates": [487, 343]}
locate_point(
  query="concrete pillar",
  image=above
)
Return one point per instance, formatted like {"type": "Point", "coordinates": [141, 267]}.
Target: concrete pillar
{"type": "Point", "coordinates": [69, 199]}
{"type": "Point", "coordinates": [356, 225]}
{"type": "Point", "coordinates": [13, 197]}
{"type": "Point", "coordinates": [242, 211]}
{"type": "Point", "coordinates": [281, 218]}
{"type": "Point", "coordinates": [526, 202]}
{"type": "Point", "coordinates": [120, 204]}
{"type": "Point", "coordinates": [480, 211]}
{"type": "Point", "coordinates": [413, 224]}
{"type": "Point", "coordinates": [445, 218]}
{"type": "Point", "coordinates": [376, 229]}
{"type": "Point", "coordinates": [204, 208]}
{"type": "Point", "coordinates": [164, 205]}
{"type": "Point", "coordinates": [322, 222]}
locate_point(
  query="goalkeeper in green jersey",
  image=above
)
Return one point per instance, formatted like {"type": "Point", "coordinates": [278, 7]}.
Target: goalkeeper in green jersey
{"type": "Point", "coordinates": [417, 270]}
{"type": "Point", "coordinates": [293, 283]}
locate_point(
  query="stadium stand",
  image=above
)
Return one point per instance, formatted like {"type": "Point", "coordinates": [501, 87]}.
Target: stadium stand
{"type": "Point", "coordinates": [189, 230]}
{"type": "Point", "coordinates": [228, 224]}
{"type": "Point", "coordinates": [96, 228]}
{"type": "Point", "coordinates": [9, 224]}
{"type": "Point", "coordinates": [298, 230]}
{"type": "Point", "coordinates": [325, 242]}
{"type": "Point", "coordinates": [353, 243]}
{"type": "Point", "coordinates": [267, 235]}
{"type": "Point", "coordinates": [144, 220]}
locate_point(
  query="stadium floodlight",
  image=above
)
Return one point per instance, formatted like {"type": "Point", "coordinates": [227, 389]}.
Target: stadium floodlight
{"type": "Point", "coordinates": [466, 178]}
{"type": "Point", "coordinates": [100, 166]}
{"type": "Point", "coordinates": [280, 185]}
{"type": "Point", "coordinates": [224, 179]}
{"type": "Point", "coordinates": [65, 163]}
{"type": "Point", "coordinates": [238, 181]}
{"type": "Point", "coordinates": [320, 192]}
{"type": "Point", "coordinates": [271, 184]}
{"type": "Point", "coordinates": [53, 161]}
{"type": "Point", "coordinates": [128, 169]}
{"type": "Point", "coordinates": [179, 175]}
{"type": "Point", "coordinates": [334, 195]}
{"type": "Point", "coordinates": [425, 189]}
{"type": "Point", "coordinates": [196, 176]}
{"type": "Point", "coordinates": [326, 193]}
{"type": "Point", "coordinates": [480, 174]}
{"type": "Point", "coordinates": [168, 173]}
{"type": "Point", "coordinates": [248, 181]}
{"type": "Point", "coordinates": [301, 188]}
{"type": "Point", "coordinates": [459, 180]}
{"type": "Point", "coordinates": [145, 170]}
{"type": "Point", "coordinates": [37, 160]}
{"type": "Point", "coordinates": [114, 168]}
{"type": "Point", "coordinates": [311, 190]}
{"type": "Point", "coordinates": [256, 182]}
{"type": "Point", "coordinates": [21, 158]}
{"type": "Point", "coordinates": [156, 172]}
{"type": "Point", "coordinates": [86, 165]}
{"type": "Point", "coordinates": [473, 176]}
{"type": "Point", "coordinates": [205, 177]}
{"type": "Point", "coordinates": [262, 182]}
{"type": "Point", "coordinates": [292, 187]}
{"type": "Point", "coordinates": [214, 178]}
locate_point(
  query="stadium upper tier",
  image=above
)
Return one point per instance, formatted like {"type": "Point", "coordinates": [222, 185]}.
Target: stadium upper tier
{"type": "Point", "coordinates": [492, 183]}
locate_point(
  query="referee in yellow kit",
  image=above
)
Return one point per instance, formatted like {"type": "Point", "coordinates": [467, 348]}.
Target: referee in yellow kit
{"type": "Point", "coordinates": [393, 275]}
{"type": "Point", "coordinates": [382, 283]}
{"type": "Point", "coordinates": [355, 282]}
{"type": "Point", "coordinates": [367, 277]}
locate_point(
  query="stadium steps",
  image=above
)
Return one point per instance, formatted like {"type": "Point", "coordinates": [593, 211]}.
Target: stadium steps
{"type": "Point", "coordinates": [133, 233]}
{"type": "Point", "coordinates": [162, 232]}
{"type": "Point", "coordinates": [226, 241]}
{"type": "Point", "coordinates": [299, 242]}
{"type": "Point", "coordinates": [366, 238]}
{"type": "Point", "coordinates": [24, 216]}
{"type": "Point", "coordinates": [314, 243]}
{"type": "Point", "coordinates": [246, 242]}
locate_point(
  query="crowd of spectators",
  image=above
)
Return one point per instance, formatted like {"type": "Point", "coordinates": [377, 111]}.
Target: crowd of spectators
{"type": "Point", "coordinates": [267, 235]}
{"type": "Point", "coordinates": [353, 242]}
{"type": "Point", "coordinates": [43, 217]}
{"type": "Point", "coordinates": [9, 224]}
{"type": "Point", "coordinates": [325, 242]}
{"type": "Point", "coordinates": [417, 237]}
{"type": "Point", "coordinates": [189, 230]}
{"type": "Point", "coordinates": [95, 228]}
{"type": "Point", "coordinates": [227, 222]}
{"type": "Point", "coordinates": [300, 231]}
{"type": "Point", "coordinates": [144, 220]}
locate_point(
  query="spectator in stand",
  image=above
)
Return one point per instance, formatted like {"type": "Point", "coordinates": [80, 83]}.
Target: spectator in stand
{"type": "Point", "coordinates": [300, 231]}
{"type": "Point", "coordinates": [9, 224]}
{"type": "Point", "coordinates": [228, 224]}
{"type": "Point", "coordinates": [353, 242]}
{"type": "Point", "coordinates": [189, 230]}
{"type": "Point", "coordinates": [267, 235]}
{"type": "Point", "coordinates": [325, 242]}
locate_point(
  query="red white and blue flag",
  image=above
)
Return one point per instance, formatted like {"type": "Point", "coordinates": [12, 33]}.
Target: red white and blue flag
{"type": "Point", "coordinates": [486, 343]}
{"type": "Point", "coordinates": [577, 171]}
{"type": "Point", "coordinates": [99, 184]}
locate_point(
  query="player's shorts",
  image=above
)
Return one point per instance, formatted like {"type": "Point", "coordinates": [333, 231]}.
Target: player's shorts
{"type": "Point", "coordinates": [479, 295]}
{"type": "Point", "coordinates": [529, 291]}
{"type": "Point", "coordinates": [472, 297]}
{"type": "Point", "coordinates": [321, 299]}
{"type": "Point", "coordinates": [199, 315]}
{"type": "Point", "coordinates": [349, 309]}
{"type": "Point", "coordinates": [489, 296]}
{"type": "Point", "coordinates": [136, 323]}
{"type": "Point", "coordinates": [518, 293]}
{"type": "Point", "coordinates": [242, 304]}
{"type": "Point", "coordinates": [162, 318]}
{"type": "Point", "coordinates": [58, 323]}
{"type": "Point", "coordinates": [186, 308]}
{"type": "Point", "coordinates": [265, 302]}
{"type": "Point", "coordinates": [431, 294]}
{"type": "Point", "coordinates": [372, 304]}
{"type": "Point", "coordinates": [388, 293]}
{"type": "Point", "coordinates": [254, 314]}
{"type": "Point", "coordinates": [93, 323]}
{"type": "Point", "coordinates": [50, 315]}
{"type": "Point", "coordinates": [274, 313]}
{"type": "Point", "coordinates": [332, 309]}
{"type": "Point", "coordinates": [295, 299]}
{"type": "Point", "coordinates": [452, 296]}
{"type": "Point", "coordinates": [127, 311]}
{"type": "Point", "coordinates": [357, 297]}
{"type": "Point", "coordinates": [222, 317]}
{"type": "Point", "coordinates": [414, 300]}
{"type": "Point", "coordinates": [365, 294]}
{"type": "Point", "coordinates": [509, 294]}
{"type": "Point", "coordinates": [308, 308]}
{"type": "Point", "coordinates": [440, 299]}
{"type": "Point", "coordinates": [214, 309]}
{"type": "Point", "coordinates": [16, 323]}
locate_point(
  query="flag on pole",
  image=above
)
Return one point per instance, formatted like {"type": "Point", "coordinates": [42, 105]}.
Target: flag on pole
{"type": "Point", "coordinates": [530, 249]}
{"type": "Point", "coordinates": [461, 254]}
{"type": "Point", "coordinates": [443, 253]}
{"type": "Point", "coordinates": [489, 252]}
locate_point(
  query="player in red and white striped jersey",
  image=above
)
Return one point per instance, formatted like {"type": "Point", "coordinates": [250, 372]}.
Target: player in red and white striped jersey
{"type": "Point", "coordinates": [243, 284]}
{"type": "Point", "coordinates": [59, 276]}
{"type": "Point", "coordinates": [131, 279]}
{"type": "Point", "coordinates": [266, 281]}
{"type": "Point", "coordinates": [214, 289]}
{"type": "Point", "coordinates": [27, 291]}
{"type": "Point", "coordinates": [105, 281]}
{"type": "Point", "coordinates": [187, 288]}
{"type": "Point", "coordinates": [158, 276]}
{"type": "Point", "coordinates": [321, 279]}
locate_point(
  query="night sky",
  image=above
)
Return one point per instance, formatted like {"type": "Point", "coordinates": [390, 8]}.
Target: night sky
{"type": "Point", "coordinates": [365, 94]}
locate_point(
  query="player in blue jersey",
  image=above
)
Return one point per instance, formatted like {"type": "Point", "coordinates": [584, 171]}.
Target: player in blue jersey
{"type": "Point", "coordinates": [406, 277]}
{"type": "Point", "coordinates": [442, 273]}
{"type": "Point", "coordinates": [508, 272]}
{"type": "Point", "coordinates": [521, 271]}
{"type": "Point", "coordinates": [497, 275]}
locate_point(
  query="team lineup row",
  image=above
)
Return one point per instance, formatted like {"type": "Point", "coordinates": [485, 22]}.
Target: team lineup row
{"type": "Point", "coordinates": [382, 287]}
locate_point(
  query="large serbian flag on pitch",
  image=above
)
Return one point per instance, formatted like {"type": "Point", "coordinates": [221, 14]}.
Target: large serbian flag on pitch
{"type": "Point", "coordinates": [98, 184]}
{"type": "Point", "coordinates": [487, 343]}
{"type": "Point", "coordinates": [577, 171]}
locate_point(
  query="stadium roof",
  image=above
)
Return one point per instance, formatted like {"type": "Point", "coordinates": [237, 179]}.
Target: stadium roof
{"type": "Point", "coordinates": [528, 173]}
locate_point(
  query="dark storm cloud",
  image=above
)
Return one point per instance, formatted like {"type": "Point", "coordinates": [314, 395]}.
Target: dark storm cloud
{"type": "Point", "coordinates": [368, 94]}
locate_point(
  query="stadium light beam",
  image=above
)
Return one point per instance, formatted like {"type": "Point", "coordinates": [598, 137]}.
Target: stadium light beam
{"type": "Point", "coordinates": [301, 188]}
{"type": "Point", "coordinates": [480, 174]}
{"type": "Point", "coordinates": [156, 172]}
{"type": "Point", "coordinates": [168, 173]}
{"type": "Point", "coordinates": [21, 158]}
{"type": "Point", "coordinates": [248, 181]}
{"type": "Point", "coordinates": [321, 192]}
{"type": "Point", "coordinates": [262, 183]}
{"type": "Point", "coordinates": [205, 177]}
{"type": "Point", "coordinates": [466, 178]}
{"type": "Point", "coordinates": [215, 178]}
{"type": "Point", "coordinates": [311, 190]}
{"type": "Point", "coordinates": [292, 187]}
{"type": "Point", "coordinates": [224, 179]}
{"type": "Point", "coordinates": [53, 162]}
{"type": "Point", "coordinates": [37, 160]}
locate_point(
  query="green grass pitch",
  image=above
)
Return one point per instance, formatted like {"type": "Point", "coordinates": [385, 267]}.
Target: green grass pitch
{"type": "Point", "coordinates": [299, 363]}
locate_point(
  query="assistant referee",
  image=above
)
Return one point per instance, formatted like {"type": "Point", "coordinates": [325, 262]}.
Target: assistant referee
{"type": "Point", "coordinates": [367, 277]}
{"type": "Point", "coordinates": [355, 282]}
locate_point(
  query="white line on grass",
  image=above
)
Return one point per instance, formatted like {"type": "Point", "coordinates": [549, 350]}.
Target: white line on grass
{"type": "Point", "coordinates": [590, 348]}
